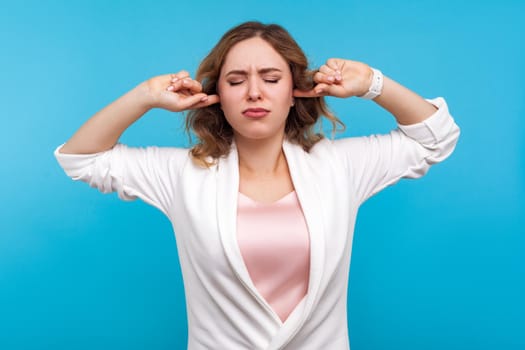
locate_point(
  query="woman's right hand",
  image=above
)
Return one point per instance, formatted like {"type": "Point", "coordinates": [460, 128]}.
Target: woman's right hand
{"type": "Point", "coordinates": [177, 92]}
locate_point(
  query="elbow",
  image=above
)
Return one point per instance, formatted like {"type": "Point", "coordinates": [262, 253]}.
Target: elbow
{"type": "Point", "coordinates": [443, 149]}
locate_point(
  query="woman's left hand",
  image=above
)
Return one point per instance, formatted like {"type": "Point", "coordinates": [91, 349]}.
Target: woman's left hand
{"type": "Point", "coordinates": [340, 78]}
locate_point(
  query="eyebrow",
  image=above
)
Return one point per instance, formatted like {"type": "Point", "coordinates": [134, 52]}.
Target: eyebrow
{"type": "Point", "coordinates": [260, 71]}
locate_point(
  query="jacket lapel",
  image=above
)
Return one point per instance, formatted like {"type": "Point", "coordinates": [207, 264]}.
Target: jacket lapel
{"type": "Point", "coordinates": [308, 193]}
{"type": "Point", "coordinates": [227, 194]}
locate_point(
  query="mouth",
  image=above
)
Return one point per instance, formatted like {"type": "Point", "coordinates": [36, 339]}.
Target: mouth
{"type": "Point", "coordinates": [255, 112]}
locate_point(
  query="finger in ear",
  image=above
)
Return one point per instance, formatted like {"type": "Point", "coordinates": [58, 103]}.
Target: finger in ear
{"type": "Point", "coordinates": [304, 93]}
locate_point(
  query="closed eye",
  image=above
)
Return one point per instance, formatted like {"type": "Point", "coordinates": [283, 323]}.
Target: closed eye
{"type": "Point", "coordinates": [237, 82]}
{"type": "Point", "coordinates": [267, 80]}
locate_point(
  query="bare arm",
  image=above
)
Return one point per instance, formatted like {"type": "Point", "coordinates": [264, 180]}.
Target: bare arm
{"type": "Point", "coordinates": [173, 92]}
{"type": "Point", "coordinates": [345, 78]}
{"type": "Point", "coordinates": [405, 105]}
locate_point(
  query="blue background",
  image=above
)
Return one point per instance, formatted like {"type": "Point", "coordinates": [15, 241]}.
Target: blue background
{"type": "Point", "coordinates": [438, 263]}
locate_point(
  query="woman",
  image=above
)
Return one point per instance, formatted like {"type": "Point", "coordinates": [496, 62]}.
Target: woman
{"type": "Point", "coordinates": [263, 207]}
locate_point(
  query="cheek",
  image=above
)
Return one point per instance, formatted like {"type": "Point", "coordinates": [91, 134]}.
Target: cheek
{"type": "Point", "coordinates": [283, 90]}
{"type": "Point", "coordinates": [227, 102]}
{"type": "Point", "coordinates": [228, 96]}
{"type": "Point", "coordinates": [283, 96]}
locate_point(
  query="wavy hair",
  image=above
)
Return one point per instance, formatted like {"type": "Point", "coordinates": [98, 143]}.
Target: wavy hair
{"type": "Point", "coordinates": [209, 124]}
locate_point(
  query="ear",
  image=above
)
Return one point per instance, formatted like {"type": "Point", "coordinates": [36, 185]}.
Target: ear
{"type": "Point", "coordinates": [218, 94]}
{"type": "Point", "coordinates": [293, 102]}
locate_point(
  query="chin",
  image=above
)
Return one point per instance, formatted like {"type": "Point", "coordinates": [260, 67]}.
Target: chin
{"type": "Point", "coordinates": [259, 134]}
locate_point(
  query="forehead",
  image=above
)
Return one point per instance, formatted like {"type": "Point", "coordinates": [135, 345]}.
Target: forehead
{"type": "Point", "coordinates": [253, 53]}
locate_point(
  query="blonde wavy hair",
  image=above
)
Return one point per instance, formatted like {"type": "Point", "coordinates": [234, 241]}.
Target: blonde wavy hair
{"type": "Point", "coordinates": [209, 124]}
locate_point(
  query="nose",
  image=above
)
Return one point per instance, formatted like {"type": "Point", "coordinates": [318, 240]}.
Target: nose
{"type": "Point", "coordinates": [254, 92]}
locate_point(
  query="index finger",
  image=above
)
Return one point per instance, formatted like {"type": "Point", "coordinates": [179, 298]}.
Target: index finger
{"type": "Point", "coordinates": [206, 101]}
{"type": "Point", "coordinates": [319, 90]}
{"type": "Point", "coordinates": [305, 93]}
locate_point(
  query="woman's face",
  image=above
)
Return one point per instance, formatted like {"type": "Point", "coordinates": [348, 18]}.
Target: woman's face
{"type": "Point", "coordinates": [256, 90]}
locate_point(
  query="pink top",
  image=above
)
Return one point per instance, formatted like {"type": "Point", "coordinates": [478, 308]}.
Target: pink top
{"type": "Point", "coordinates": [274, 243]}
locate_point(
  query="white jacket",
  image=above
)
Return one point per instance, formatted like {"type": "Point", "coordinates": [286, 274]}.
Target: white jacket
{"type": "Point", "coordinates": [225, 310]}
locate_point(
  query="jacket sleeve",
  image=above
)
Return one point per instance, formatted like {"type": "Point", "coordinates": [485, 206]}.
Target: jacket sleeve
{"type": "Point", "coordinates": [377, 161]}
{"type": "Point", "coordinates": [147, 173]}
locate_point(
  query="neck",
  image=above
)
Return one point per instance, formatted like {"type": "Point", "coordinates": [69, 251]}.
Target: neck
{"type": "Point", "coordinates": [261, 157]}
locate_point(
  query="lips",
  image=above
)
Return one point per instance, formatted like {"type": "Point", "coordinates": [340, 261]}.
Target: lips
{"type": "Point", "coordinates": [255, 112]}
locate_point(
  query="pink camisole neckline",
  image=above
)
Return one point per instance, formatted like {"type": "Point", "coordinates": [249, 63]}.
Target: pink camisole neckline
{"type": "Point", "coordinates": [274, 243]}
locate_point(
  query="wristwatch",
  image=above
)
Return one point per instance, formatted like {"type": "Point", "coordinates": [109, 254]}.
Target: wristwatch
{"type": "Point", "coordinates": [376, 87]}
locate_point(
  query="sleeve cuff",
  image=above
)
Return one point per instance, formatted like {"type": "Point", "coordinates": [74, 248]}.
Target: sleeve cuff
{"type": "Point", "coordinates": [434, 128]}
{"type": "Point", "coordinates": [73, 163]}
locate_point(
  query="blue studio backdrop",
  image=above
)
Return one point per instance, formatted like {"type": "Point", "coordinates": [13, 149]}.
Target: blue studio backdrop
{"type": "Point", "coordinates": [437, 263]}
